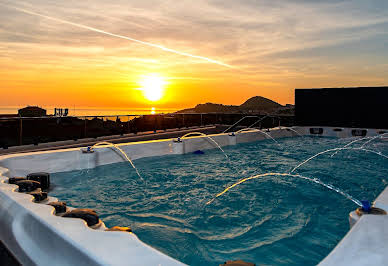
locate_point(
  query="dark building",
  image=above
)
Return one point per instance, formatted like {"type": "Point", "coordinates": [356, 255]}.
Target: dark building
{"type": "Point", "coordinates": [365, 107]}
{"type": "Point", "coordinates": [32, 111]}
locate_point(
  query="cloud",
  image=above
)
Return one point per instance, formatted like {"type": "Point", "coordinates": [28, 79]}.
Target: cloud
{"type": "Point", "coordinates": [278, 40]}
{"type": "Point", "coordinates": [110, 34]}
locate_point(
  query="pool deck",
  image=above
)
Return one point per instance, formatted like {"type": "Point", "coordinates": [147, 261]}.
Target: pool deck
{"type": "Point", "coordinates": [367, 241]}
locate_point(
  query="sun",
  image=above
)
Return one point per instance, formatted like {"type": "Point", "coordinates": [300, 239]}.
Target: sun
{"type": "Point", "coordinates": [153, 87]}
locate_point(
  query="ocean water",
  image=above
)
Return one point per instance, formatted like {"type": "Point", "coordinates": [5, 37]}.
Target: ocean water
{"type": "Point", "coordinates": [94, 111]}
{"type": "Point", "coordinates": [276, 220]}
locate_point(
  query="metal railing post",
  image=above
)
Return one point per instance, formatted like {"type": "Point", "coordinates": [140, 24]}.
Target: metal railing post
{"type": "Point", "coordinates": [21, 132]}
{"type": "Point", "coordinates": [85, 132]}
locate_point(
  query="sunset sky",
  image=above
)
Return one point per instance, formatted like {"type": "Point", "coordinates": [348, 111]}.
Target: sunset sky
{"type": "Point", "coordinates": [248, 48]}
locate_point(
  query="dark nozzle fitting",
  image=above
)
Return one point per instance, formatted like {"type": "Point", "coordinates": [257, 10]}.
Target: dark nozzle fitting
{"type": "Point", "coordinates": [366, 206]}
{"type": "Point", "coordinates": [39, 195]}
{"type": "Point", "coordinates": [59, 206]}
{"type": "Point", "coordinates": [88, 215]}
{"type": "Point", "coordinates": [27, 185]}
{"type": "Point", "coordinates": [199, 152]}
{"type": "Point", "coordinates": [88, 149]}
{"type": "Point", "coordinates": [178, 139]}
{"type": "Point", "coordinates": [13, 180]}
{"type": "Point", "coordinates": [41, 177]}
{"type": "Point", "coordinates": [238, 263]}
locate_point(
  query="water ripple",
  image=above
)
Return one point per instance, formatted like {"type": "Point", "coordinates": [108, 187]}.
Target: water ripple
{"type": "Point", "coordinates": [267, 221]}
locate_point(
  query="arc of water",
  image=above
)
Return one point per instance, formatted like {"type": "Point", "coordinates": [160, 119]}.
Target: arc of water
{"type": "Point", "coordinates": [350, 143]}
{"type": "Point", "coordinates": [244, 129]}
{"type": "Point", "coordinates": [375, 137]}
{"type": "Point", "coordinates": [235, 124]}
{"type": "Point", "coordinates": [336, 149]}
{"type": "Point", "coordinates": [257, 130]}
{"type": "Point", "coordinates": [121, 151]}
{"type": "Point", "coordinates": [204, 135]}
{"type": "Point", "coordinates": [193, 134]}
{"type": "Point", "coordinates": [290, 128]}
{"type": "Point", "coordinates": [361, 139]}
{"type": "Point", "coordinates": [314, 180]}
{"type": "Point", "coordinates": [259, 120]}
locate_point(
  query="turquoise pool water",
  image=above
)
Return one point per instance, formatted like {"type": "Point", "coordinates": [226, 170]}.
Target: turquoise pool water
{"type": "Point", "coordinates": [269, 221]}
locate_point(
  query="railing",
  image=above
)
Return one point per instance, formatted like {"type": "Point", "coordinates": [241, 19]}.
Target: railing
{"type": "Point", "coordinates": [267, 116]}
{"type": "Point", "coordinates": [238, 122]}
{"type": "Point", "coordinates": [16, 131]}
{"type": "Point", "coordinates": [260, 119]}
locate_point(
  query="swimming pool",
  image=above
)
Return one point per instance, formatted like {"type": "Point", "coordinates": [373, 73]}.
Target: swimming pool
{"type": "Point", "coordinates": [270, 220]}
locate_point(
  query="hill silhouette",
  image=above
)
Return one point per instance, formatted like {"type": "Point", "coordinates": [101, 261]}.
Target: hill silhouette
{"type": "Point", "coordinates": [259, 103]}
{"type": "Point", "coordinates": [256, 104]}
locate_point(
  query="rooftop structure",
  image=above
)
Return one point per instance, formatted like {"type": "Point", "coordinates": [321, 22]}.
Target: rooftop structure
{"type": "Point", "coordinates": [32, 111]}
{"type": "Point", "coordinates": [345, 107]}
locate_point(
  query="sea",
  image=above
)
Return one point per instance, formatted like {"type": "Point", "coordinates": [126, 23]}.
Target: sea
{"type": "Point", "coordinates": [95, 111]}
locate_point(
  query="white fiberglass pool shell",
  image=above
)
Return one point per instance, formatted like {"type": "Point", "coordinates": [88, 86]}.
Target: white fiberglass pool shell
{"type": "Point", "coordinates": [36, 236]}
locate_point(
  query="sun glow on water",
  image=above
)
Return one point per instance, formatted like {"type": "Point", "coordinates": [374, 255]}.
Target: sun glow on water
{"type": "Point", "coordinates": [153, 87]}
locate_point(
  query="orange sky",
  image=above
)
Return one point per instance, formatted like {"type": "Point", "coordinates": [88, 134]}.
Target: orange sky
{"type": "Point", "coordinates": [50, 63]}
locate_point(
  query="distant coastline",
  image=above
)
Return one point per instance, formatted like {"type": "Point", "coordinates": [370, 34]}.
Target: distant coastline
{"type": "Point", "coordinates": [253, 105]}
{"type": "Point", "coordinates": [256, 104]}
{"type": "Point", "coordinates": [93, 111]}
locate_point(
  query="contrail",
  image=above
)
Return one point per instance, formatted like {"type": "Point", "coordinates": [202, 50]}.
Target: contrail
{"type": "Point", "coordinates": [119, 36]}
